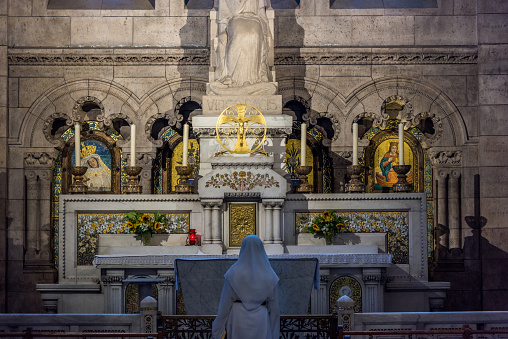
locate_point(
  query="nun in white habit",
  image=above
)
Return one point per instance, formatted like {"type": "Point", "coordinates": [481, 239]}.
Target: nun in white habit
{"type": "Point", "coordinates": [249, 305]}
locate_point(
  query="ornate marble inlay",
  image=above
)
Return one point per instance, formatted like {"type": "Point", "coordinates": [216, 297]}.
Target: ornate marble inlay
{"type": "Point", "coordinates": [242, 180]}
{"type": "Point", "coordinates": [395, 224]}
{"type": "Point", "coordinates": [90, 225]}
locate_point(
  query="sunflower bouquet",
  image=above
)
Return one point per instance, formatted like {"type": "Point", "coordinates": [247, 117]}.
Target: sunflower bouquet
{"type": "Point", "coordinates": [145, 224]}
{"type": "Point", "coordinates": [327, 225]}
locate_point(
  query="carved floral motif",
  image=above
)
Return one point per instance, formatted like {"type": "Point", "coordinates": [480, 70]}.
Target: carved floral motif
{"type": "Point", "coordinates": [242, 181]}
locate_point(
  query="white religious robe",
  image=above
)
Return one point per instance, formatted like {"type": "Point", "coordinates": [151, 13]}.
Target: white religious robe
{"type": "Point", "coordinates": [262, 322]}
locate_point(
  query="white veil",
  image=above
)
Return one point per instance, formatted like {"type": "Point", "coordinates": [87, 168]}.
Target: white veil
{"type": "Point", "coordinates": [252, 277]}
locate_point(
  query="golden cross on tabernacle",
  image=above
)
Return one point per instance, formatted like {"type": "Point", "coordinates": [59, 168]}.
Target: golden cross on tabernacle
{"type": "Point", "coordinates": [241, 146]}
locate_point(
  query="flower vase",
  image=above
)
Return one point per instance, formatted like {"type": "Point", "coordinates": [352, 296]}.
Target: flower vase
{"type": "Point", "coordinates": [145, 238]}
{"type": "Point", "coordinates": [329, 238]}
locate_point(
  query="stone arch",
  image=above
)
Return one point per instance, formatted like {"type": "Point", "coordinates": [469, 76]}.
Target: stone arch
{"type": "Point", "coordinates": [160, 103]}
{"type": "Point", "coordinates": [62, 99]}
{"type": "Point", "coordinates": [322, 99]}
{"type": "Point", "coordinates": [426, 100]}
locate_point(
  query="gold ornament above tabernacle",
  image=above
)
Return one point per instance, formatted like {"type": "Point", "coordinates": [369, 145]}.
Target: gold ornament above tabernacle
{"type": "Point", "coordinates": [241, 129]}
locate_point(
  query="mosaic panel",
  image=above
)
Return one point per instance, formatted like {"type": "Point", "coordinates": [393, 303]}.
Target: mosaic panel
{"type": "Point", "coordinates": [395, 224]}
{"type": "Point", "coordinates": [345, 286]}
{"type": "Point", "coordinates": [192, 158]}
{"type": "Point", "coordinates": [90, 225]}
{"type": "Point", "coordinates": [293, 151]}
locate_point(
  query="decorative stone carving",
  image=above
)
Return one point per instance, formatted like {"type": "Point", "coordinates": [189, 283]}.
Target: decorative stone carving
{"type": "Point", "coordinates": [48, 126]}
{"type": "Point", "coordinates": [446, 158]}
{"type": "Point", "coordinates": [284, 56]}
{"type": "Point", "coordinates": [79, 115]}
{"type": "Point", "coordinates": [243, 33]}
{"type": "Point", "coordinates": [39, 159]}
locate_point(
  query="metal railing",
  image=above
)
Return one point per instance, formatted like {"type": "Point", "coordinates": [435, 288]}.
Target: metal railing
{"type": "Point", "coordinates": [30, 334]}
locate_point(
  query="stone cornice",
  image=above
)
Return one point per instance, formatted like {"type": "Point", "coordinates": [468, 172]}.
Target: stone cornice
{"type": "Point", "coordinates": [283, 56]}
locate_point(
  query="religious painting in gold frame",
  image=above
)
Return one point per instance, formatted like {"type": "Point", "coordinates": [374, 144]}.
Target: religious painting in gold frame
{"type": "Point", "coordinates": [383, 154]}
{"type": "Point", "coordinates": [102, 159]}
{"type": "Point", "coordinates": [242, 222]}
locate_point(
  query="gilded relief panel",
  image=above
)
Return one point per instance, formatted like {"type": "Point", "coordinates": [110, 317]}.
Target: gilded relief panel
{"type": "Point", "coordinates": [242, 222]}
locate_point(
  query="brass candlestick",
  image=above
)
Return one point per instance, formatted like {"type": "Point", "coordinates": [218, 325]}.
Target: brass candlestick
{"type": "Point", "coordinates": [132, 186]}
{"type": "Point", "coordinates": [184, 187]}
{"type": "Point", "coordinates": [79, 186]}
{"type": "Point", "coordinates": [303, 172]}
{"type": "Point", "coordinates": [402, 185]}
{"type": "Point", "coordinates": [355, 185]}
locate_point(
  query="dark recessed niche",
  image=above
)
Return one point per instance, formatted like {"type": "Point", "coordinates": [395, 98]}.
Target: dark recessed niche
{"type": "Point", "coordinates": [285, 4]}
{"type": "Point", "coordinates": [199, 4]}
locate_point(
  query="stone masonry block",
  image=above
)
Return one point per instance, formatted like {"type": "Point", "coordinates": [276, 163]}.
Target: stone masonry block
{"type": "Point", "coordinates": [103, 31]}
{"type": "Point", "coordinates": [171, 31]}
{"type": "Point", "coordinates": [382, 30]}
{"type": "Point", "coordinates": [492, 28]}
{"type": "Point", "coordinates": [445, 30]}
{"type": "Point", "coordinates": [493, 89]}
{"type": "Point", "coordinates": [494, 120]}
{"type": "Point", "coordinates": [493, 151]}
{"type": "Point", "coordinates": [19, 7]}
{"type": "Point", "coordinates": [493, 59]}
{"type": "Point", "coordinates": [39, 31]}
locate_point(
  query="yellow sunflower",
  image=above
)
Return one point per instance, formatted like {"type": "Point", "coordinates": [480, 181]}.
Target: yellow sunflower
{"type": "Point", "coordinates": [145, 218]}
{"type": "Point", "coordinates": [157, 226]}
{"type": "Point", "coordinates": [315, 227]}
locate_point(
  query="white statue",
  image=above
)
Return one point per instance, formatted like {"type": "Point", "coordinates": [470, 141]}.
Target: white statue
{"type": "Point", "coordinates": [242, 48]}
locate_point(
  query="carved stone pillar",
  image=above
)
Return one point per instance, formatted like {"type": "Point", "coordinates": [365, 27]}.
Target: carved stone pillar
{"type": "Point", "coordinates": [114, 296]}
{"type": "Point", "coordinates": [454, 210]}
{"type": "Point", "coordinates": [373, 280]}
{"type": "Point", "coordinates": [268, 223]}
{"type": "Point", "coordinates": [319, 299]}
{"type": "Point", "coordinates": [38, 172]}
{"type": "Point", "coordinates": [166, 292]}
{"type": "Point", "coordinates": [277, 239]}
{"type": "Point", "coordinates": [216, 223]}
{"type": "Point", "coordinates": [442, 207]}
{"type": "Point", "coordinates": [207, 227]}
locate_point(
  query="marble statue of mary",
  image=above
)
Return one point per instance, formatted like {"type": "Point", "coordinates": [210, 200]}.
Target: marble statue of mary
{"type": "Point", "coordinates": [244, 39]}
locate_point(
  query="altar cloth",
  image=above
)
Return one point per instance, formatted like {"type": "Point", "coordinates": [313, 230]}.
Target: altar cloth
{"type": "Point", "coordinates": [201, 281]}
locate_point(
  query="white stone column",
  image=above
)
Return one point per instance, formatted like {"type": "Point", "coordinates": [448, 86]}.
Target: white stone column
{"type": "Point", "coordinates": [276, 225]}
{"type": "Point", "coordinates": [216, 223]}
{"type": "Point", "coordinates": [207, 227]}
{"type": "Point", "coordinates": [145, 160]}
{"type": "Point", "coordinates": [455, 240]}
{"type": "Point", "coordinates": [442, 208]}
{"type": "Point", "coordinates": [114, 296]}
{"type": "Point", "coordinates": [373, 296]}
{"type": "Point", "coordinates": [32, 213]}
{"type": "Point", "coordinates": [268, 223]}
{"type": "Point", "coordinates": [319, 298]}
{"type": "Point", "coordinates": [166, 292]}
{"type": "Point", "coordinates": [148, 310]}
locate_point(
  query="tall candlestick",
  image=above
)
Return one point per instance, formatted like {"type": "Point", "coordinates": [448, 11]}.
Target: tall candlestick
{"type": "Point", "coordinates": [401, 144]}
{"type": "Point", "coordinates": [303, 145]}
{"type": "Point", "coordinates": [355, 143]}
{"type": "Point", "coordinates": [77, 144]}
{"type": "Point", "coordinates": [185, 144]}
{"type": "Point", "coordinates": [133, 145]}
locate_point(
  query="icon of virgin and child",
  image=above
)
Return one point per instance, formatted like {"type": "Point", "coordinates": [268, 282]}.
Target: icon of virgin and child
{"type": "Point", "coordinates": [98, 173]}
{"type": "Point", "coordinates": [386, 177]}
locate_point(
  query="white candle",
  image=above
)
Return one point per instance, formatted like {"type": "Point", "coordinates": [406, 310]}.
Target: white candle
{"type": "Point", "coordinates": [303, 145]}
{"type": "Point", "coordinates": [355, 143]}
{"type": "Point", "coordinates": [133, 145]}
{"type": "Point", "coordinates": [401, 144]}
{"type": "Point", "coordinates": [77, 144]}
{"type": "Point", "coordinates": [185, 144]}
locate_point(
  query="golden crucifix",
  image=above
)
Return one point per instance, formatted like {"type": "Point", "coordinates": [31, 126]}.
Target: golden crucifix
{"type": "Point", "coordinates": [247, 124]}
